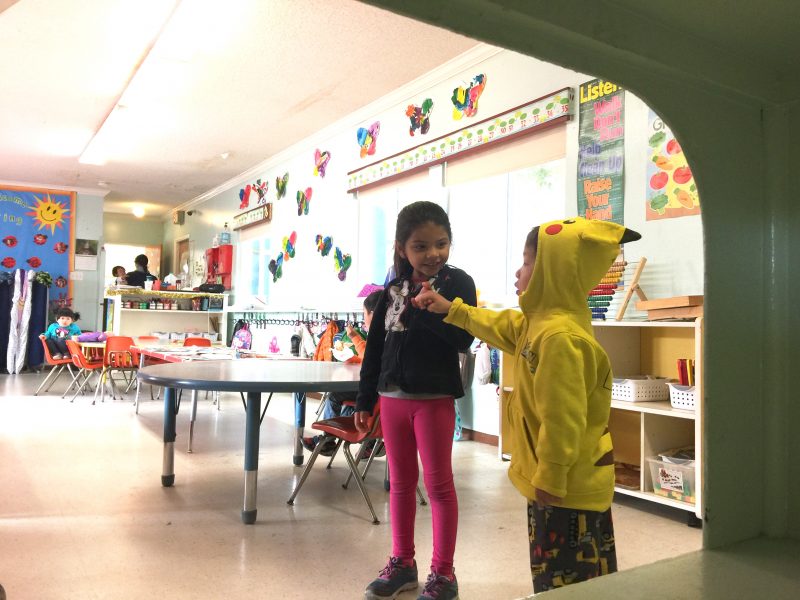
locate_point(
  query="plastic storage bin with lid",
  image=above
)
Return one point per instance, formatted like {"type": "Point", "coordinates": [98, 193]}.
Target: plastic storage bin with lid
{"type": "Point", "coordinates": [673, 474]}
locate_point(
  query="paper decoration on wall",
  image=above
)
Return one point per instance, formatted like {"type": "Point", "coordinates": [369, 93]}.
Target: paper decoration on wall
{"type": "Point", "coordinates": [275, 266]}
{"type": "Point", "coordinates": [465, 100]}
{"type": "Point", "coordinates": [367, 138]}
{"type": "Point", "coordinates": [289, 245]}
{"type": "Point", "coordinates": [280, 185]}
{"type": "Point", "coordinates": [341, 263]}
{"type": "Point", "coordinates": [324, 244]}
{"type": "Point", "coordinates": [420, 117]}
{"type": "Point", "coordinates": [244, 196]}
{"type": "Point", "coordinates": [48, 213]}
{"type": "Point", "coordinates": [258, 187]}
{"type": "Point", "coordinates": [321, 160]}
{"type": "Point", "coordinates": [303, 201]}
{"type": "Point", "coordinates": [671, 189]}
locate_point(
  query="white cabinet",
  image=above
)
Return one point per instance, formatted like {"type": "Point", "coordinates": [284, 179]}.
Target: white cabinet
{"type": "Point", "coordinates": [195, 312]}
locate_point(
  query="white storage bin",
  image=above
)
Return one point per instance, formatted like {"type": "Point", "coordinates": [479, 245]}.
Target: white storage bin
{"type": "Point", "coordinates": [640, 389]}
{"type": "Point", "coordinates": [682, 396]}
{"type": "Point", "coordinates": [176, 335]}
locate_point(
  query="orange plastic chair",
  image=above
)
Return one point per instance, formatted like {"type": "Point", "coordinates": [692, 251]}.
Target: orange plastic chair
{"type": "Point", "coordinates": [196, 341]}
{"type": "Point", "coordinates": [85, 368]}
{"type": "Point", "coordinates": [119, 357]}
{"type": "Point", "coordinates": [58, 367]}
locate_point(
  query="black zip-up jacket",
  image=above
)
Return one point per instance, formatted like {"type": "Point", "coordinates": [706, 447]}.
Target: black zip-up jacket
{"type": "Point", "coordinates": [414, 349]}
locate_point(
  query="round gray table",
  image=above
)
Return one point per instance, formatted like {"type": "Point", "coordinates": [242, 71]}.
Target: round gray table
{"type": "Point", "coordinates": [251, 377]}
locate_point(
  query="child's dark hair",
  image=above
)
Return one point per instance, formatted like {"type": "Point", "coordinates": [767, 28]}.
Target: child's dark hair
{"type": "Point", "coordinates": [141, 261]}
{"type": "Point", "coordinates": [410, 218]}
{"type": "Point", "coordinates": [65, 311]}
{"type": "Point", "coordinates": [532, 241]}
{"type": "Point", "coordinates": [116, 269]}
{"type": "Point", "coordinates": [371, 301]}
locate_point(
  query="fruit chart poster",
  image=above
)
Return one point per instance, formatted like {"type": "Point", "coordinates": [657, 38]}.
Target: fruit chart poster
{"type": "Point", "coordinates": [37, 232]}
{"type": "Point", "coordinates": [671, 189]}
{"type": "Point", "coordinates": [601, 154]}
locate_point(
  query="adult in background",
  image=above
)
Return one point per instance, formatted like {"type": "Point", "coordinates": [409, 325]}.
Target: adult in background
{"type": "Point", "coordinates": [140, 275]}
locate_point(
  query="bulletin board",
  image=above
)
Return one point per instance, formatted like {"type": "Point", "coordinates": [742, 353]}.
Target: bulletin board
{"type": "Point", "coordinates": [38, 234]}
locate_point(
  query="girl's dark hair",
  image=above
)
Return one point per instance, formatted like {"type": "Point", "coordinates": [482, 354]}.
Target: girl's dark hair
{"type": "Point", "coordinates": [371, 301]}
{"type": "Point", "coordinates": [410, 218]}
{"type": "Point", "coordinates": [532, 241]}
{"type": "Point", "coordinates": [65, 311]}
{"type": "Point", "coordinates": [115, 270]}
{"type": "Point", "coordinates": [141, 260]}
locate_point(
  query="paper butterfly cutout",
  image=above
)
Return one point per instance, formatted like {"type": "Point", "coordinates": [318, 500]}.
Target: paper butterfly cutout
{"type": "Point", "coordinates": [303, 201]}
{"type": "Point", "coordinates": [289, 245]}
{"type": "Point", "coordinates": [341, 263]}
{"type": "Point", "coordinates": [244, 196]}
{"type": "Point", "coordinates": [321, 160]}
{"type": "Point", "coordinates": [324, 244]}
{"type": "Point", "coordinates": [420, 117]}
{"type": "Point", "coordinates": [367, 138]}
{"type": "Point", "coordinates": [280, 185]}
{"type": "Point", "coordinates": [276, 267]}
{"type": "Point", "coordinates": [261, 188]}
{"type": "Point", "coordinates": [465, 101]}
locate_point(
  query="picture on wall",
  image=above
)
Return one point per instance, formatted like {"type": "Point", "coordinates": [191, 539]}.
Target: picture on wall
{"type": "Point", "coordinates": [671, 189]}
{"type": "Point", "coordinates": [368, 138]}
{"type": "Point", "coordinates": [37, 227]}
{"type": "Point", "coordinates": [601, 151]}
{"type": "Point", "coordinates": [85, 255]}
{"type": "Point", "coordinates": [420, 117]}
{"type": "Point", "coordinates": [465, 97]}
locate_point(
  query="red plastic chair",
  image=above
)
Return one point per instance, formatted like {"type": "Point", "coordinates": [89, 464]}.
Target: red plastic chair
{"type": "Point", "coordinates": [343, 431]}
{"type": "Point", "coordinates": [119, 357]}
{"type": "Point", "coordinates": [85, 368]}
{"type": "Point", "coordinates": [197, 341]}
{"type": "Point", "coordinates": [58, 367]}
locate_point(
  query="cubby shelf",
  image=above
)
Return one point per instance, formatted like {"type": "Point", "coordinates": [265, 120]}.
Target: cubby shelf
{"type": "Point", "coordinates": [644, 429]}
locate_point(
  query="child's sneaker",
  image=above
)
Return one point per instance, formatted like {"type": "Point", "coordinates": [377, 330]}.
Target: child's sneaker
{"type": "Point", "coordinates": [393, 579]}
{"type": "Point", "coordinates": [58, 356]}
{"type": "Point", "coordinates": [440, 587]}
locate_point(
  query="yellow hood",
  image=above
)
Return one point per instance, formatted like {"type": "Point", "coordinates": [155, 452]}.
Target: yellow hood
{"type": "Point", "coordinates": [571, 258]}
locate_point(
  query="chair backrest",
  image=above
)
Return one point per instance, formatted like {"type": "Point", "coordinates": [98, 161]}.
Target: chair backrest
{"type": "Point", "coordinates": [118, 353]}
{"type": "Point", "coordinates": [196, 341]}
{"type": "Point", "coordinates": [78, 358]}
{"type": "Point", "coordinates": [146, 338]}
{"type": "Point", "coordinates": [49, 357]}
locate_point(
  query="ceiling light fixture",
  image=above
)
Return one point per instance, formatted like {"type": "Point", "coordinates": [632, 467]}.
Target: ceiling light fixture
{"type": "Point", "coordinates": [138, 212]}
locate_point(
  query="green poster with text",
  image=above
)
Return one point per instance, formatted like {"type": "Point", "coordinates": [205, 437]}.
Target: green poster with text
{"type": "Point", "coordinates": [601, 153]}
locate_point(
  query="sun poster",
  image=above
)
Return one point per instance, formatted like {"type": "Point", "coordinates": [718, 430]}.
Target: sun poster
{"type": "Point", "coordinates": [671, 189]}
{"type": "Point", "coordinates": [37, 229]}
{"type": "Point", "coordinates": [601, 152]}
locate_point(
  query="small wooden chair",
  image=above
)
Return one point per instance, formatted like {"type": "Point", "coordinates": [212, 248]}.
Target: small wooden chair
{"type": "Point", "coordinates": [58, 367]}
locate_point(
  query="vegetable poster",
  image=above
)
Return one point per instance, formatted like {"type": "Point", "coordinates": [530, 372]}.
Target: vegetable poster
{"type": "Point", "coordinates": [671, 190]}
{"type": "Point", "coordinates": [36, 230]}
{"type": "Point", "coordinates": [601, 154]}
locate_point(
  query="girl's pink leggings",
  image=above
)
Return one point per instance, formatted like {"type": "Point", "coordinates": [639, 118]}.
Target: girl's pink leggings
{"type": "Point", "coordinates": [424, 426]}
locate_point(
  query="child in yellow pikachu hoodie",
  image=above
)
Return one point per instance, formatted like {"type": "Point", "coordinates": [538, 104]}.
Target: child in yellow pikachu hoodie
{"type": "Point", "coordinates": [561, 451]}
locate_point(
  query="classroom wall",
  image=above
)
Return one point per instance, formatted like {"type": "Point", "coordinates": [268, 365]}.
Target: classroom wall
{"type": "Point", "coordinates": [122, 228]}
{"type": "Point", "coordinates": [512, 79]}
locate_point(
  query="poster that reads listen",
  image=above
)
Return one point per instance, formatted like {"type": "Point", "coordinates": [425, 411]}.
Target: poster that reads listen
{"type": "Point", "coordinates": [601, 154]}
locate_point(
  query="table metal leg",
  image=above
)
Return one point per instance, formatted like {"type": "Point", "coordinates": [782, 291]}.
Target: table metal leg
{"type": "Point", "coordinates": [251, 445]}
{"type": "Point", "coordinates": [170, 415]}
{"type": "Point", "coordinates": [193, 418]}
{"type": "Point", "coordinates": [138, 384]}
{"type": "Point", "coordinates": [299, 423]}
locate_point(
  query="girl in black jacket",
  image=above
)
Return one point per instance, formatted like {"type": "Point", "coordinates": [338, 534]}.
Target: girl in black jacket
{"type": "Point", "coordinates": [411, 367]}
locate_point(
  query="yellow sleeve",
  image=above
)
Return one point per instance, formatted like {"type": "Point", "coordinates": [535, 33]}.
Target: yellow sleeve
{"type": "Point", "coordinates": [498, 329]}
{"type": "Point", "coordinates": [566, 373]}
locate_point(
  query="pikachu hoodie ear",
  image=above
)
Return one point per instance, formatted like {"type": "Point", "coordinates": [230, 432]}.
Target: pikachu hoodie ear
{"type": "Point", "coordinates": [630, 236]}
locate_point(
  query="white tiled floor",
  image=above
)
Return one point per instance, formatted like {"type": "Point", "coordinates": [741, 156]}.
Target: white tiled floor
{"type": "Point", "coordinates": [83, 514]}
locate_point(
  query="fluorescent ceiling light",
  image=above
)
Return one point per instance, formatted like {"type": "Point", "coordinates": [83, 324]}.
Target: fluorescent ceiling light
{"type": "Point", "coordinates": [138, 212]}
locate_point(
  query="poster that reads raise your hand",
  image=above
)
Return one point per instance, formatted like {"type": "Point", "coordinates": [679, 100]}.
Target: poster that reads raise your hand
{"type": "Point", "coordinates": [601, 154]}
